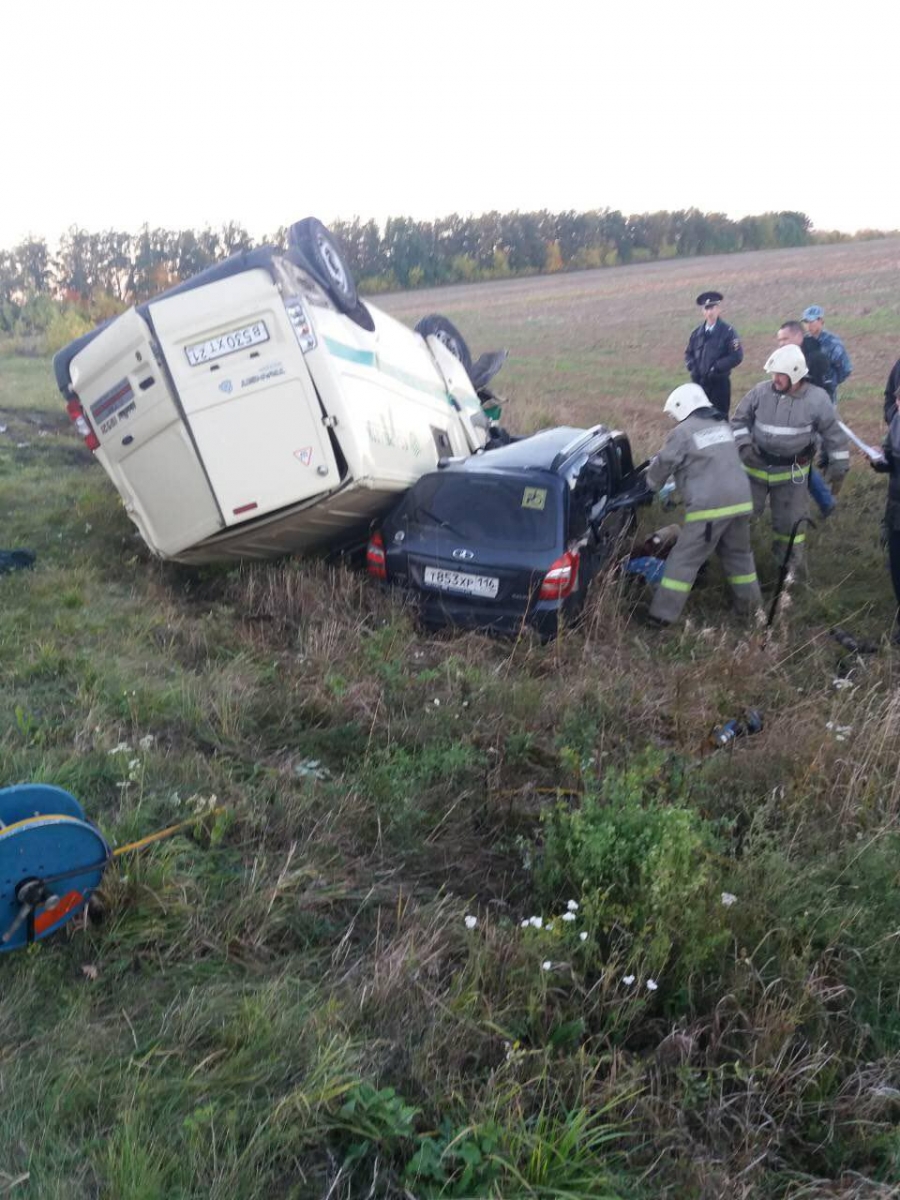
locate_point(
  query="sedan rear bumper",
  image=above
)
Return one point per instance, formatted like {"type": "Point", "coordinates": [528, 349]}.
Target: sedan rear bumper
{"type": "Point", "coordinates": [439, 612]}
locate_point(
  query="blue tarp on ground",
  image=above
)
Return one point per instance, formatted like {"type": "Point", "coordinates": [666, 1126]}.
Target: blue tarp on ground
{"type": "Point", "coordinates": [651, 568]}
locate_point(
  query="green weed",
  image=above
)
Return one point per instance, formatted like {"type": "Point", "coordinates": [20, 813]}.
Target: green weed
{"type": "Point", "coordinates": [285, 999]}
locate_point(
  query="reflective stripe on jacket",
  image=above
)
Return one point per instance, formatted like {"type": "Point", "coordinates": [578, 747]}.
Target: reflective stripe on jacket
{"type": "Point", "coordinates": [701, 453]}
{"type": "Point", "coordinates": [782, 426]}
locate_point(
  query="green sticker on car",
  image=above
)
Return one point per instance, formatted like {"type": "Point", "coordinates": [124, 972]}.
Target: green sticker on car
{"type": "Point", "coordinates": [533, 497]}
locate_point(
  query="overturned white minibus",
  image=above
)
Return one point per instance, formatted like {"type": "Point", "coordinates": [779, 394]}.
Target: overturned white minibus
{"type": "Point", "coordinates": [261, 408]}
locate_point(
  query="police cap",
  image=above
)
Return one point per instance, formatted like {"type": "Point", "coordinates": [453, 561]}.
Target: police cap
{"type": "Point", "coordinates": [815, 312]}
{"type": "Point", "coordinates": [706, 298]}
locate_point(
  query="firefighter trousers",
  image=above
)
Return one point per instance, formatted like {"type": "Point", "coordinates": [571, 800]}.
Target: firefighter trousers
{"type": "Point", "coordinates": [729, 537]}
{"type": "Point", "coordinates": [789, 501]}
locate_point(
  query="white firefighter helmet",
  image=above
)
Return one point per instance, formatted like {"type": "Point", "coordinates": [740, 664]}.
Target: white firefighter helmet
{"type": "Point", "coordinates": [686, 399]}
{"type": "Point", "coordinates": [787, 360]}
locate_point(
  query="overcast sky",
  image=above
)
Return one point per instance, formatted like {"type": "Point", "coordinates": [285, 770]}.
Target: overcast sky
{"type": "Point", "coordinates": [193, 113]}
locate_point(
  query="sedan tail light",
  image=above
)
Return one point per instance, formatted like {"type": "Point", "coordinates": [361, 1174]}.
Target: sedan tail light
{"type": "Point", "coordinates": [376, 563]}
{"type": "Point", "coordinates": [560, 580]}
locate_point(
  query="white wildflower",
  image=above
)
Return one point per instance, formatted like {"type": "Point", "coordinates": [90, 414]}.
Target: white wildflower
{"type": "Point", "coordinates": [568, 916]}
{"type": "Point", "coordinates": [582, 937]}
{"type": "Point", "coordinates": [572, 905]}
{"type": "Point", "coordinates": [728, 898]}
{"type": "Point", "coordinates": [546, 965]}
{"type": "Point", "coordinates": [840, 684]}
{"type": "Point", "coordinates": [652, 985]}
{"type": "Point", "coordinates": [146, 741]}
{"type": "Point", "coordinates": [133, 764]}
{"type": "Point", "coordinates": [471, 922]}
{"type": "Point", "coordinates": [628, 979]}
{"type": "Point", "coordinates": [437, 703]}
{"type": "Point", "coordinates": [536, 922]}
{"type": "Point", "coordinates": [526, 923]}
{"type": "Point", "coordinates": [122, 748]}
{"type": "Point", "coordinates": [548, 927]}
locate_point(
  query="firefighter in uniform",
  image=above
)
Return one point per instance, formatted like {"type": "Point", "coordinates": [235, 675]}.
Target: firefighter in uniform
{"type": "Point", "coordinates": [817, 369]}
{"type": "Point", "coordinates": [775, 427]}
{"type": "Point", "coordinates": [713, 351]}
{"type": "Point", "coordinates": [702, 455]}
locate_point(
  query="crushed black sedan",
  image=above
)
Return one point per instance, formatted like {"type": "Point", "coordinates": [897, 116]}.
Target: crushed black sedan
{"type": "Point", "coordinates": [513, 536]}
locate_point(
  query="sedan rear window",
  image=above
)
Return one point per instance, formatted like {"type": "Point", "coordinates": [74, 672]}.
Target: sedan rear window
{"type": "Point", "coordinates": [490, 510]}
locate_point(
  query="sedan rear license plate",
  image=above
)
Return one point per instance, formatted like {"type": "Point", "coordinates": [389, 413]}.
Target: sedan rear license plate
{"type": "Point", "coordinates": [460, 581]}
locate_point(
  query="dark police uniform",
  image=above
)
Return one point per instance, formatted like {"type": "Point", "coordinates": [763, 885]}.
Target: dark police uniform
{"type": "Point", "coordinates": [711, 355]}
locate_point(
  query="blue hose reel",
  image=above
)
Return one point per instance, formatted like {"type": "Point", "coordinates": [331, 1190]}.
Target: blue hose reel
{"type": "Point", "coordinates": [51, 860]}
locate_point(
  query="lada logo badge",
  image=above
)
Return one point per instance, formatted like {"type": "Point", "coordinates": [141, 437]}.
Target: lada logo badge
{"type": "Point", "coordinates": [464, 554]}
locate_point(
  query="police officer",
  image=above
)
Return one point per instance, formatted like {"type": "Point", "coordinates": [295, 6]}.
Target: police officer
{"type": "Point", "coordinates": [775, 427]}
{"type": "Point", "coordinates": [712, 353]}
{"type": "Point", "coordinates": [702, 455]}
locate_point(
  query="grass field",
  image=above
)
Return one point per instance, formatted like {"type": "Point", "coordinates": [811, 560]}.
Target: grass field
{"type": "Point", "coordinates": [287, 1000]}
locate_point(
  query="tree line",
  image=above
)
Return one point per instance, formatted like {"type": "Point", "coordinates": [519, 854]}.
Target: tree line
{"type": "Point", "coordinates": [94, 275]}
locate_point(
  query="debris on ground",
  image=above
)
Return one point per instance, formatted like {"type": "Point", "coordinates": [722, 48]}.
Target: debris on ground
{"type": "Point", "coordinates": [853, 644]}
{"type": "Point", "coordinates": [16, 560]}
{"type": "Point", "coordinates": [724, 734]}
{"type": "Point", "coordinates": [647, 565]}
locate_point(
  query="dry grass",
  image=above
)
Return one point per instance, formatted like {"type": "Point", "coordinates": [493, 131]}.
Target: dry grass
{"type": "Point", "coordinates": [258, 974]}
